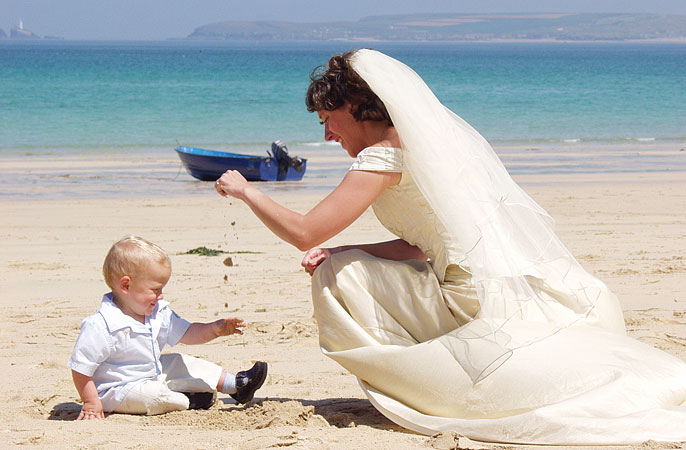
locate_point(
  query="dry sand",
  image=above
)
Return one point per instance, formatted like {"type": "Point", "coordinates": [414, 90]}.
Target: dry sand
{"type": "Point", "coordinates": [630, 230]}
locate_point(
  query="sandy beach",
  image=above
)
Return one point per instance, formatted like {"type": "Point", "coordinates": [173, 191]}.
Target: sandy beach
{"type": "Point", "coordinates": [628, 229]}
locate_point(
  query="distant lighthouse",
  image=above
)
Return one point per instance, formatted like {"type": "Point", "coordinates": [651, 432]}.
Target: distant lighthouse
{"type": "Point", "coordinates": [21, 33]}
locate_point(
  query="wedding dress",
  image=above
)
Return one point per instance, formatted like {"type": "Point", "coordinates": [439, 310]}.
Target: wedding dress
{"type": "Point", "coordinates": [502, 336]}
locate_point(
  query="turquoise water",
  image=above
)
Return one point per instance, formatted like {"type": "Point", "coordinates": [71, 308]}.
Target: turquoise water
{"type": "Point", "coordinates": [62, 98]}
{"type": "Point", "coordinates": [76, 95]}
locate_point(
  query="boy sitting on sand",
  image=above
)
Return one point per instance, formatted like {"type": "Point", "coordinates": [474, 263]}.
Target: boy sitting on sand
{"type": "Point", "coordinates": [116, 363]}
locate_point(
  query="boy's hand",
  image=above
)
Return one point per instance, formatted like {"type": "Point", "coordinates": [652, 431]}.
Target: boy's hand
{"type": "Point", "coordinates": [225, 327]}
{"type": "Point", "coordinates": [91, 410]}
{"type": "Point", "coordinates": [201, 332]}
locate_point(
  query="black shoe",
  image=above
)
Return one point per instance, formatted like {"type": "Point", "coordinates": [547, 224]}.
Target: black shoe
{"type": "Point", "coordinates": [200, 400]}
{"type": "Point", "coordinates": [248, 381]}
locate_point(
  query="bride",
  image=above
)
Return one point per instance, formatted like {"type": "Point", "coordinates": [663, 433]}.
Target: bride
{"type": "Point", "coordinates": [477, 319]}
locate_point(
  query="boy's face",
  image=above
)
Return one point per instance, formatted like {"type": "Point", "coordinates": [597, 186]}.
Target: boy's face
{"type": "Point", "coordinates": [140, 293]}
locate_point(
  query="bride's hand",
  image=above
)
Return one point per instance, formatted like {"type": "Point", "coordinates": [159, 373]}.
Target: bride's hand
{"type": "Point", "coordinates": [231, 183]}
{"type": "Point", "coordinates": [314, 257]}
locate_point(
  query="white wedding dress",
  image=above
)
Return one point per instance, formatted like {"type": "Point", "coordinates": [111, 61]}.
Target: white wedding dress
{"type": "Point", "coordinates": [502, 336]}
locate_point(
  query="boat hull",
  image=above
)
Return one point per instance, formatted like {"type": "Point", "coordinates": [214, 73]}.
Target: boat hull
{"type": "Point", "coordinates": [208, 165]}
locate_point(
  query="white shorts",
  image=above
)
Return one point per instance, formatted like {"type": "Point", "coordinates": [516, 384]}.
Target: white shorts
{"type": "Point", "coordinates": [180, 373]}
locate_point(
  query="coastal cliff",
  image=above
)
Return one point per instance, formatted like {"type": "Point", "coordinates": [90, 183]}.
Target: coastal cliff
{"type": "Point", "coordinates": [460, 27]}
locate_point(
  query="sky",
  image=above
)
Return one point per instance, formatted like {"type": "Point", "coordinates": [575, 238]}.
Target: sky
{"type": "Point", "coordinates": [164, 19]}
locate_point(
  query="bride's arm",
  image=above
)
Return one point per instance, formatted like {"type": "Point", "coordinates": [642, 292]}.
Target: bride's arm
{"type": "Point", "coordinates": [332, 215]}
{"type": "Point", "coordinates": [398, 250]}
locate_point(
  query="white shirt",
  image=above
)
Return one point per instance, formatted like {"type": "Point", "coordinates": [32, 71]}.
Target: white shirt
{"type": "Point", "coordinates": [118, 351]}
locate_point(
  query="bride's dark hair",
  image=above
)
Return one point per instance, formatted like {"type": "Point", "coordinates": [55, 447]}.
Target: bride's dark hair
{"type": "Point", "coordinates": [333, 85]}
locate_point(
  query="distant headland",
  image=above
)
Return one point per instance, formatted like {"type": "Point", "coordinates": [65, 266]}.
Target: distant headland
{"type": "Point", "coordinates": [562, 27]}
{"type": "Point", "coordinates": [460, 27]}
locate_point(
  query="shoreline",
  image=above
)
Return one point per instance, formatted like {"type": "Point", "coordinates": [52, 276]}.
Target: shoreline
{"type": "Point", "coordinates": [616, 143]}
{"type": "Point", "coordinates": [141, 174]}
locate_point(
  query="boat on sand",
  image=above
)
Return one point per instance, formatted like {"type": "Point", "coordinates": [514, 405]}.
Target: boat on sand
{"type": "Point", "coordinates": [208, 165]}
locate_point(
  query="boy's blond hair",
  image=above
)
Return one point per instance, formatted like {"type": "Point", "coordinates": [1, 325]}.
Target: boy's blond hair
{"type": "Point", "coordinates": [128, 256]}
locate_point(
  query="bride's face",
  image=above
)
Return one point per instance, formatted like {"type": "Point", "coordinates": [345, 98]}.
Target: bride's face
{"type": "Point", "coordinates": [341, 126]}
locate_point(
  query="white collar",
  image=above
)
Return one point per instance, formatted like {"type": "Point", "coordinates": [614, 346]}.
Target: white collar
{"type": "Point", "coordinates": [116, 319]}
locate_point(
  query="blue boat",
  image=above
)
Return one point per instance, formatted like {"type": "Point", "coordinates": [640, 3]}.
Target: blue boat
{"type": "Point", "coordinates": [208, 165]}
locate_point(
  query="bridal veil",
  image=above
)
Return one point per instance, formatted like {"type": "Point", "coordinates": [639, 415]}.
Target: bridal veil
{"type": "Point", "coordinates": [505, 240]}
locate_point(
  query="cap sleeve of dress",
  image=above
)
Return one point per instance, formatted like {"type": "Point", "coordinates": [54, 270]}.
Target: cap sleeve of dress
{"type": "Point", "coordinates": [379, 159]}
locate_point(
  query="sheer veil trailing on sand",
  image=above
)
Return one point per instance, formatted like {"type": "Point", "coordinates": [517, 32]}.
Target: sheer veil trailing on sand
{"type": "Point", "coordinates": [545, 360]}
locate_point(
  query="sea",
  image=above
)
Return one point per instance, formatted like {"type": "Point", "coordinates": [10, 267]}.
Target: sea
{"type": "Point", "coordinates": [101, 119]}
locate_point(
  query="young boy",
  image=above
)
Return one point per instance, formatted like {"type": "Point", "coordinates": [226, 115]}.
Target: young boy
{"type": "Point", "coordinates": [116, 364]}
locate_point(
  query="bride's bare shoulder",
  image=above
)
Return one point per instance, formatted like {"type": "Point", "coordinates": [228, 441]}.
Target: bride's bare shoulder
{"type": "Point", "coordinates": [389, 139]}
